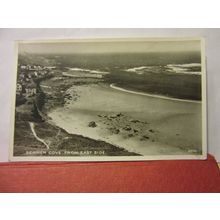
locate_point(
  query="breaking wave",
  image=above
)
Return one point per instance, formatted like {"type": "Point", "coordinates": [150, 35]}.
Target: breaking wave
{"type": "Point", "coordinates": [87, 70]}
{"type": "Point", "coordinates": [188, 68]}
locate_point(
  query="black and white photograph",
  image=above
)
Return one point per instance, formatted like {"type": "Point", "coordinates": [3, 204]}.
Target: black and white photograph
{"type": "Point", "coordinates": [109, 99]}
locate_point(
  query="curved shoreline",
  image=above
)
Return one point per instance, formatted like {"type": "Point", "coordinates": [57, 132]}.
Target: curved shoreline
{"type": "Point", "coordinates": [153, 96]}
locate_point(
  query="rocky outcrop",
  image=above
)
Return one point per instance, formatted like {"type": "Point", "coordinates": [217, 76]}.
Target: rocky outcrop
{"type": "Point", "coordinates": [127, 128]}
{"type": "Point", "coordinates": [134, 120]}
{"type": "Point", "coordinates": [114, 130]}
{"type": "Point", "coordinates": [92, 124]}
{"type": "Point", "coordinates": [125, 125]}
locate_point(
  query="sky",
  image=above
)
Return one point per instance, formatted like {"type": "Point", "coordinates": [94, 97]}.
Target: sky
{"type": "Point", "coordinates": [109, 47]}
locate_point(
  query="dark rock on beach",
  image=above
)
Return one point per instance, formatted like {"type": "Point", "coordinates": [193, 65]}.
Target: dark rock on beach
{"type": "Point", "coordinates": [119, 114]}
{"type": "Point", "coordinates": [134, 120]}
{"type": "Point", "coordinates": [144, 137]}
{"type": "Point", "coordinates": [130, 135]}
{"type": "Point", "coordinates": [92, 124]}
{"type": "Point", "coordinates": [114, 130]}
{"type": "Point", "coordinates": [127, 128]}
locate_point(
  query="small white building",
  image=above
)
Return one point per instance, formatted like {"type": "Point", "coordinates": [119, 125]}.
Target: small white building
{"type": "Point", "coordinates": [18, 88]}
{"type": "Point", "coordinates": [31, 91]}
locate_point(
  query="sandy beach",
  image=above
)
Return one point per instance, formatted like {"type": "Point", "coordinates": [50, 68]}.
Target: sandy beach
{"type": "Point", "coordinates": [142, 124]}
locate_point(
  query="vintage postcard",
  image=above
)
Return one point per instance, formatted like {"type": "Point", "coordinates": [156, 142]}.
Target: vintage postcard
{"type": "Point", "coordinates": [109, 100]}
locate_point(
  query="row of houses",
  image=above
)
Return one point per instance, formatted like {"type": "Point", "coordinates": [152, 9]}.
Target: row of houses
{"type": "Point", "coordinates": [35, 67]}
{"type": "Point", "coordinates": [26, 76]}
{"type": "Point", "coordinates": [29, 90]}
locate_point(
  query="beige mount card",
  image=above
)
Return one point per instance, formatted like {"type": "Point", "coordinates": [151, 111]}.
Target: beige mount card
{"type": "Point", "coordinates": [109, 100]}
